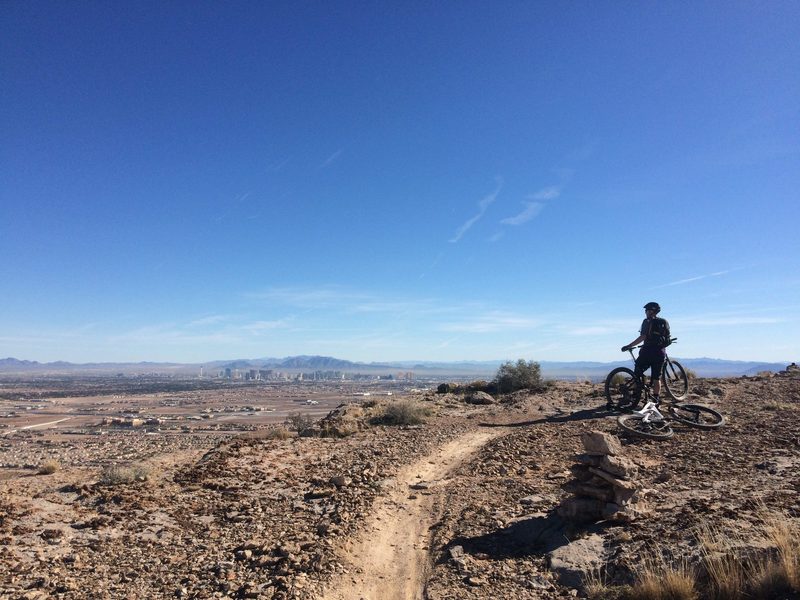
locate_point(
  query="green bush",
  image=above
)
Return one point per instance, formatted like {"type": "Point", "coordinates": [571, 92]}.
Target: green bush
{"type": "Point", "coordinates": [518, 376]}
{"type": "Point", "coordinates": [402, 412]}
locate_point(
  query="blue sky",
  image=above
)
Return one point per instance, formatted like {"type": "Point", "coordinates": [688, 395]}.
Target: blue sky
{"type": "Point", "coordinates": [376, 181]}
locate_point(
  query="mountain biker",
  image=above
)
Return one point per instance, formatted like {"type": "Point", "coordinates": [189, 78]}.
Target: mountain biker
{"type": "Point", "coordinates": [656, 336]}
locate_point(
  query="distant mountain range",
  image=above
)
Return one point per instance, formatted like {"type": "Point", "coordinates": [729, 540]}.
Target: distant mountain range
{"type": "Point", "coordinates": [703, 367]}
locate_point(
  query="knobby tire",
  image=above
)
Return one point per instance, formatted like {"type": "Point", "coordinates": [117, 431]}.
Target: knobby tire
{"type": "Point", "coordinates": [635, 425]}
{"type": "Point", "coordinates": [675, 380]}
{"type": "Point", "coordinates": [697, 415]}
{"type": "Point", "coordinates": [624, 392]}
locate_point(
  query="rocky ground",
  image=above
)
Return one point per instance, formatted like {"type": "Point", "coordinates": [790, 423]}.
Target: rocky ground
{"type": "Point", "coordinates": [465, 505]}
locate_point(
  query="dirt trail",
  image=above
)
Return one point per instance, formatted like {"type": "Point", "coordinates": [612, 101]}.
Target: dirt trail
{"type": "Point", "coordinates": [35, 425]}
{"type": "Point", "coordinates": [390, 560]}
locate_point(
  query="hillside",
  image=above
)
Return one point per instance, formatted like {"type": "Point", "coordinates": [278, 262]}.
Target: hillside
{"type": "Point", "coordinates": [465, 505]}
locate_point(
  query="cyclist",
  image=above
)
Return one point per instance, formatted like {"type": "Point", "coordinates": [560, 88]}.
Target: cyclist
{"type": "Point", "coordinates": [655, 335]}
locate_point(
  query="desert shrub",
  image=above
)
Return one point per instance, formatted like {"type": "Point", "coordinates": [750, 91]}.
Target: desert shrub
{"type": "Point", "coordinates": [122, 474]}
{"type": "Point", "coordinates": [520, 375]}
{"type": "Point", "coordinates": [278, 433]}
{"type": "Point", "coordinates": [402, 412]}
{"type": "Point", "coordinates": [49, 467]}
{"type": "Point", "coordinates": [299, 422]}
{"type": "Point", "coordinates": [690, 375]}
{"type": "Point", "coordinates": [371, 403]}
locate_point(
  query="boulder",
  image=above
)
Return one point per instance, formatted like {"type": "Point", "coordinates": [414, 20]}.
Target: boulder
{"type": "Point", "coordinates": [573, 562]}
{"type": "Point", "coordinates": [599, 442]}
{"type": "Point", "coordinates": [479, 398]}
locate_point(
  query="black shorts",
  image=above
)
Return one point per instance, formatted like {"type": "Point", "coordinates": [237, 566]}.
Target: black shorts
{"type": "Point", "coordinates": [650, 357]}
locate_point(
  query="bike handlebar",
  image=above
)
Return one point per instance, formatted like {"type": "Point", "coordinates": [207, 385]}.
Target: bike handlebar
{"type": "Point", "coordinates": [632, 348]}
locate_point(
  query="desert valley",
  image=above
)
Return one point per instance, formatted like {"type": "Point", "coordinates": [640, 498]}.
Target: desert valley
{"type": "Point", "coordinates": [321, 490]}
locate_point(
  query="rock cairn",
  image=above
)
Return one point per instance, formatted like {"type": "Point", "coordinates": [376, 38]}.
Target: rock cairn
{"type": "Point", "coordinates": [602, 487]}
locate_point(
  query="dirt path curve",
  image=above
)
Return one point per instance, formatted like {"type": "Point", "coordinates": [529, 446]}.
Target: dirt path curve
{"type": "Point", "coordinates": [390, 560]}
{"type": "Point", "coordinates": [35, 425]}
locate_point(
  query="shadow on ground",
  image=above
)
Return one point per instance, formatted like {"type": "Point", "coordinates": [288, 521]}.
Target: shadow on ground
{"type": "Point", "coordinates": [533, 536]}
{"type": "Point", "coordinates": [599, 412]}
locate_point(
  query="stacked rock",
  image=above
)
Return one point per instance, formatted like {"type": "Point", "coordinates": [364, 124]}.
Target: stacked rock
{"type": "Point", "coordinates": [602, 486]}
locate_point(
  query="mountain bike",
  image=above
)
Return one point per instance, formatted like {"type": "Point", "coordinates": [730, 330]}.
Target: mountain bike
{"type": "Point", "coordinates": [673, 378]}
{"type": "Point", "coordinates": [651, 423]}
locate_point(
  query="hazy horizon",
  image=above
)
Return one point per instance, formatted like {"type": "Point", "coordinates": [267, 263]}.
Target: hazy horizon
{"type": "Point", "coordinates": [404, 362]}
{"type": "Point", "coordinates": [449, 181]}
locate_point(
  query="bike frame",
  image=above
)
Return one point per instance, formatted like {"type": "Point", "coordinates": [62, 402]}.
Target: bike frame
{"type": "Point", "coordinates": [663, 368]}
{"type": "Point", "coordinates": [650, 413]}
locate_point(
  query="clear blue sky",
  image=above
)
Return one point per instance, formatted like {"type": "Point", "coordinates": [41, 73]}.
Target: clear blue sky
{"type": "Point", "coordinates": [378, 181]}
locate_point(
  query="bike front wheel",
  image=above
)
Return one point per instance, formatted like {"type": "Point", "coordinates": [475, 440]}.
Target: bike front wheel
{"type": "Point", "coordinates": [675, 379]}
{"type": "Point", "coordinates": [636, 425]}
{"type": "Point", "coordinates": [697, 415]}
{"type": "Point", "coordinates": [622, 388]}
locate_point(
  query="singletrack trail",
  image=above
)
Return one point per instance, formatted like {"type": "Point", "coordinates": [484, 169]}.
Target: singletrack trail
{"type": "Point", "coordinates": [390, 559]}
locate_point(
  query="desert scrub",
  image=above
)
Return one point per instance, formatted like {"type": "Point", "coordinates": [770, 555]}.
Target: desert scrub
{"type": "Point", "coordinates": [402, 412]}
{"type": "Point", "coordinates": [122, 474]}
{"type": "Point", "coordinates": [519, 376]}
{"type": "Point", "coordinates": [278, 433]}
{"type": "Point", "coordinates": [48, 468]}
{"type": "Point", "coordinates": [730, 567]}
{"type": "Point", "coordinates": [299, 422]}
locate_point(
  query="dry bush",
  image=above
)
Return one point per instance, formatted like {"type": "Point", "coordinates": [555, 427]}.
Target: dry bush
{"type": "Point", "coordinates": [734, 566]}
{"type": "Point", "coordinates": [122, 474]}
{"type": "Point", "coordinates": [660, 579]}
{"type": "Point", "coordinates": [48, 467]}
{"type": "Point", "coordinates": [402, 412]}
{"type": "Point", "coordinates": [778, 574]}
{"type": "Point", "coordinates": [299, 422]}
{"type": "Point", "coordinates": [277, 433]}
{"type": "Point", "coordinates": [767, 574]}
{"type": "Point", "coordinates": [596, 587]}
{"type": "Point", "coordinates": [726, 571]}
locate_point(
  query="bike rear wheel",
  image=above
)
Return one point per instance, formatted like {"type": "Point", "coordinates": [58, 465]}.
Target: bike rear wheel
{"type": "Point", "coordinates": [675, 380]}
{"type": "Point", "coordinates": [636, 425]}
{"type": "Point", "coordinates": [622, 388]}
{"type": "Point", "coordinates": [697, 415]}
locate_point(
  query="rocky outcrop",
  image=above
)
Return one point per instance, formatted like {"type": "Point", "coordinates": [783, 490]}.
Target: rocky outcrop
{"type": "Point", "coordinates": [602, 486]}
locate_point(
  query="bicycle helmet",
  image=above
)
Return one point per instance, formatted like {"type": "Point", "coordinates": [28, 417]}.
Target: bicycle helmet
{"type": "Point", "coordinates": [654, 306]}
